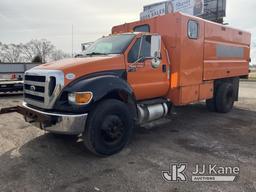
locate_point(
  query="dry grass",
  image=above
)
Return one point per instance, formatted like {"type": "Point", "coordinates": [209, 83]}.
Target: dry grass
{"type": "Point", "coordinates": [252, 75]}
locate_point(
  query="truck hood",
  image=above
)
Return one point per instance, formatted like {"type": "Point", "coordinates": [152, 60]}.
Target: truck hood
{"type": "Point", "coordinates": [84, 66]}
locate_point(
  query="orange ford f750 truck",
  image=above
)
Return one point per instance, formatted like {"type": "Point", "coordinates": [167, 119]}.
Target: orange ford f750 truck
{"type": "Point", "coordinates": [135, 76]}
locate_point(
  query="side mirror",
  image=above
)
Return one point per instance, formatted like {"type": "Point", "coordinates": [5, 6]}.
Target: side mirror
{"type": "Point", "coordinates": [156, 50]}
{"type": "Point", "coordinates": [156, 46]}
{"type": "Point", "coordinates": [157, 54]}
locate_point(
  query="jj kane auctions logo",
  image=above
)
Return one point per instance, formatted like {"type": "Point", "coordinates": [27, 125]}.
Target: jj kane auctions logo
{"type": "Point", "coordinates": [201, 173]}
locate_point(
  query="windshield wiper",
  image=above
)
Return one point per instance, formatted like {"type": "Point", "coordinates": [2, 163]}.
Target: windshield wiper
{"type": "Point", "coordinates": [96, 53]}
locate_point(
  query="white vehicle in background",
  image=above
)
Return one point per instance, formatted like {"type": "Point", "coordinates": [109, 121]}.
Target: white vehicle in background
{"type": "Point", "coordinates": [11, 76]}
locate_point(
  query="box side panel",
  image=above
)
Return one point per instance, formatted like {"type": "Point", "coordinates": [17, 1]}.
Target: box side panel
{"type": "Point", "coordinates": [189, 94]}
{"type": "Point", "coordinates": [175, 95]}
{"type": "Point", "coordinates": [219, 52]}
{"type": "Point", "coordinates": [191, 65]}
{"type": "Point", "coordinates": [206, 90]}
{"type": "Point", "coordinates": [169, 27]}
{"type": "Point", "coordinates": [227, 52]}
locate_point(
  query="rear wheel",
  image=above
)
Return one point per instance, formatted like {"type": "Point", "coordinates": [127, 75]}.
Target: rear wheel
{"type": "Point", "coordinates": [211, 105]}
{"type": "Point", "coordinates": [225, 98]}
{"type": "Point", "coordinates": [109, 127]}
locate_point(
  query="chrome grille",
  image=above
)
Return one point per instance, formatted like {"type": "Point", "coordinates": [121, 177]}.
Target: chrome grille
{"type": "Point", "coordinates": [42, 87]}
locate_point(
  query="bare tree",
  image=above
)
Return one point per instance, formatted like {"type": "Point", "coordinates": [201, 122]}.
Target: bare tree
{"type": "Point", "coordinates": [31, 51]}
{"type": "Point", "coordinates": [11, 53]}
{"type": "Point", "coordinates": [42, 48]}
{"type": "Point", "coordinates": [58, 55]}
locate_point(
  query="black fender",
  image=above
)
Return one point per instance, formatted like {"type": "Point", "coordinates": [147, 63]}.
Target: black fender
{"type": "Point", "coordinates": [101, 86]}
{"type": "Point", "coordinates": [104, 86]}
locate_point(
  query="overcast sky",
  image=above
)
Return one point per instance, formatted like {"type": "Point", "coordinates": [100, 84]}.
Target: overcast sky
{"type": "Point", "coordinates": [23, 20]}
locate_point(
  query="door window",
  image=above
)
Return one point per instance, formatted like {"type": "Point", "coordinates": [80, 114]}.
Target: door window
{"type": "Point", "coordinates": [134, 52]}
{"type": "Point", "coordinates": [146, 47]}
{"type": "Point", "coordinates": [141, 49]}
{"type": "Point", "coordinates": [193, 29]}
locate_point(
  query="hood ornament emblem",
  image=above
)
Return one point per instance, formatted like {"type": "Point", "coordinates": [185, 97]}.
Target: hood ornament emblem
{"type": "Point", "coordinates": [32, 88]}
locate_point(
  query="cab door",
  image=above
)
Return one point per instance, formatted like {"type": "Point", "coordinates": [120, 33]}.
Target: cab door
{"type": "Point", "coordinates": [147, 68]}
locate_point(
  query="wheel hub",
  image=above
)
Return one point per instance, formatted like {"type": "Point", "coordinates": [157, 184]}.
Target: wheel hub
{"type": "Point", "coordinates": [112, 129]}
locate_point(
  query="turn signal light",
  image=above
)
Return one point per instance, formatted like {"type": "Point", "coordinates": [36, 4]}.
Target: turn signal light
{"type": "Point", "coordinates": [80, 98]}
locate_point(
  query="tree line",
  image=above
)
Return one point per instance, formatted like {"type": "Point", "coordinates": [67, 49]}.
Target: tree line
{"type": "Point", "coordinates": [41, 51]}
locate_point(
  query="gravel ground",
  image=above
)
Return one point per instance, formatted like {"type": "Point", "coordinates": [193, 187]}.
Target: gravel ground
{"type": "Point", "coordinates": [33, 160]}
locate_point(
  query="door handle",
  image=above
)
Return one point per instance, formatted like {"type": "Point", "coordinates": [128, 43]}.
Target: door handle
{"type": "Point", "coordinates": [164, 68]}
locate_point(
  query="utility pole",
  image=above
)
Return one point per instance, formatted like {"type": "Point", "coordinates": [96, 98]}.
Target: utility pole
{"type": "Point", "coordinates": [217, 12]}
{"type": "Point", "coordinates": [72, 52]}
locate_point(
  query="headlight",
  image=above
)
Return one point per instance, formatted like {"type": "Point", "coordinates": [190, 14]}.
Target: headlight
{"type": "Point", "coordinates": [80, 98]}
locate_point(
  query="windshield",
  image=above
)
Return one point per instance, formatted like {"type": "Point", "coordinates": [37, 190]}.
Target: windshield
{"type": "Point", "coordinates": [115, 44]}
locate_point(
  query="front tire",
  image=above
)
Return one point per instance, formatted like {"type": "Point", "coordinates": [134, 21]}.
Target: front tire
{"type": "Point", "coordinates": [109, 127]}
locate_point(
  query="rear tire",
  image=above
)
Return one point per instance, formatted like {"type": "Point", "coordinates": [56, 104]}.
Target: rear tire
{"type": "Point", "coordinates": [211, 105]}
{"type": "Point", "coordinates": [225, 98]}
{"type": "Point", "coordinates": [109, 127]}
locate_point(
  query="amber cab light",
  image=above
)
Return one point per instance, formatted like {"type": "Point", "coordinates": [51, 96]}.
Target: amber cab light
{"type": "Point", "coordinates": [80, 98]}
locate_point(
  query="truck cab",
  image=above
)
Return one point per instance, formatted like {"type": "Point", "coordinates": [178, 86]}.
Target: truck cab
{"type": "Point", "coordinates": [117, 70]}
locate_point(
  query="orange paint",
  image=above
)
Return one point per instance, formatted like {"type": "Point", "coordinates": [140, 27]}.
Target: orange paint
{"type": "Point", "coordinates": [84, 66]}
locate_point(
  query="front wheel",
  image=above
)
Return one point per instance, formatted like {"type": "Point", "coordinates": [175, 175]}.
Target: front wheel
{"type": "Point", "coordinates": [109, 127]}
